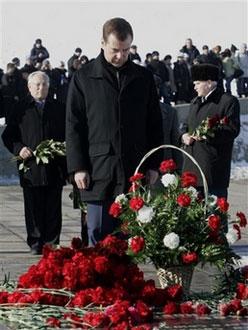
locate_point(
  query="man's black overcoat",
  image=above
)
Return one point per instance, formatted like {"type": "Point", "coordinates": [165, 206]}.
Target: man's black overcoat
{"type": "Point", "coordinates": [109, 128]}
{"type": "Point", "coordinates": [214, 154]}
{"type": "Point", "coordinates": [29, 126]}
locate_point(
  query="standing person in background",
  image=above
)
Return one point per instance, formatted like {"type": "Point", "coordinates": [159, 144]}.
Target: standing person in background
{"type": "Point", "coordinates": [38, 53]}
{"type": "Point", "coordinates": [241, 58]}
{"type": "Point", "coordinates": [59, 75]}
{"type": "Point", "coordinates": [213, 154]}
{"type": "Point", "coordinates": [171, 85]}
{"type": "Point", "coordinates": [158, 68]}
{"type": "Point", "coordinates": [113, 119]}
{"type": "Point", "coordinates": [75, 56]}
{"type": "Point", "coordinates": [133, 53]}
{"type": "Point", "coordinates": [13, 88]}
{"type": "Point", "coordinates": [36, 119]}
{"type": "Point", "coordinates": [191, 50]}
{"type": "Point", "coordinates": [228, 69]}
{"type": "Point", "coordinates": [182, 80]}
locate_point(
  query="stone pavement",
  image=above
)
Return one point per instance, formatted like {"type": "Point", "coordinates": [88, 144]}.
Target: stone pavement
{"type": "Point", "coordinates": [15, 257]}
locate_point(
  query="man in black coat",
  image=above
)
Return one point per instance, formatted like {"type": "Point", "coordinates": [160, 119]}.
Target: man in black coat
{"type": "Point", "coordinates": [36, 119]}
{"type": "Point", "coordinates": [75, 56]}
{"type": "Point", "coordinates": [38, 53]}
{"type": "Point", "coordinates": [213, 153]}
{"type": "Point", "coordinates": [113, 119]}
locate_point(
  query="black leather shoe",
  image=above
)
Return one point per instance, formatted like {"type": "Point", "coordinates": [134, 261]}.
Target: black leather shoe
{"type": "Point", "coordinates": [36, 249]}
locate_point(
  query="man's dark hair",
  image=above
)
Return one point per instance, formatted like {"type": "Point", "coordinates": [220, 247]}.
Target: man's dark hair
{"type": "Point", "coordinates": [167, 57]}
{"type": "Point", "coordinates": [119, 27]}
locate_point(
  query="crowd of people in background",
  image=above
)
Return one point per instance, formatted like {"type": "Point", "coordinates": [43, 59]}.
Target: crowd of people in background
{"type": "Point", "coordinates": [174, 78]}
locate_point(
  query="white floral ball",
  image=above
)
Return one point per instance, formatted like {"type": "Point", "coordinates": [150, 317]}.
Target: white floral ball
{"type": "Point", "coordinates": [171, 241]}
{"type": "Point", "coordinates": [121, 199]}
{"type": "Point", "coordinates": [168, 179]}
{"type": "Point", "coordinates": [145, 214]}
{"type": "Point", "coordinates": [232, 236]}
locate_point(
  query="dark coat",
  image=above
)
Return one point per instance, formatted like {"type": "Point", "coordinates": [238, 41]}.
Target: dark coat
{"type": "Point", "coordinates": [193, 52]}
{"type": "Point", "coordinates": [214, 154]}
{"type": "Point", "coordinates": [182, 81]}
{"type": "Point", "coordinates": [35, 51]}
{"type": "Point", "coordinates": [109, 130]}
{"type": "Point", "coordinates": [159, 69]}
{"type": "Point", "coordinates": [170, 129]}
{"type": "Point", "coordinates": [70, 62]}
{"type": "Point", "coordinates": [28, 127]}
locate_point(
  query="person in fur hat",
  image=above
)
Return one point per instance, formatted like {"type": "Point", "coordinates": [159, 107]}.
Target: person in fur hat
{"type": "Point", "coordinates": [212, 153]}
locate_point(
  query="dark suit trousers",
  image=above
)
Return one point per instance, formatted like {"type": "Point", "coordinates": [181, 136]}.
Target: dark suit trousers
{"type": "Point", "coordinates": [43, 214]}
{"type": "Point", "coordinates": [99, 222]}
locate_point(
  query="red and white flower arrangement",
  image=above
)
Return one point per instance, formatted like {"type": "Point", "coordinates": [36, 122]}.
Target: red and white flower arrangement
{"type": "Point", "coordinates": [174, 225]}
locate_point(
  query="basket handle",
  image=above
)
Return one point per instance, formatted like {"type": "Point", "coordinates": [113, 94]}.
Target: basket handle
{"type": "Point", "coordinates": [165, 146]}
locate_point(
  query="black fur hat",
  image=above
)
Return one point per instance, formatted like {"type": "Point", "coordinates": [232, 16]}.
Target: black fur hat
{"type": "Point", "coordinates": [204, 72]}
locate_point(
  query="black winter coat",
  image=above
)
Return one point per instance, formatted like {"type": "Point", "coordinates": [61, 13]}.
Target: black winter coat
{"type": "Point", "coordinates": [193, 52]}
{"type": "Point", "coordinates": [109, 129]}
{"type": "Point", "coordinates": [34, 55]}
{"type": "Point", "coordinates": [28, 127]}
{"type": "Point", "coordinates": [214, 154]}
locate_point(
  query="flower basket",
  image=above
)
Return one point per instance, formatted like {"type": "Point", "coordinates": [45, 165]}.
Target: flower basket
{"type": "Point", "coordinates": [176, 275]}
{"type": "Point", "coordinates": [174, 227]}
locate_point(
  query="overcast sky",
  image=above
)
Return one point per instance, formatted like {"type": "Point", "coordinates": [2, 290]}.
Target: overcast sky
{"type": "Point", "coordinates": [158, 25]}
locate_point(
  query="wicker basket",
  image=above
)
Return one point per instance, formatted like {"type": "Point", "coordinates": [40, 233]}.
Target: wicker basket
{"type": "Point", "coordinates": [176, 275]}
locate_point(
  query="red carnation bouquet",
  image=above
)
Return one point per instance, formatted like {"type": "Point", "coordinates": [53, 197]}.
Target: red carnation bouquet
{"type": "Point", "coordinates": [173, 225]}
{"type": "Point", "coordinates": [209, 126]}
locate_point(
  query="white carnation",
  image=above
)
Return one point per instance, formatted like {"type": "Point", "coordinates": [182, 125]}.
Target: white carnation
{"type": "Point", "coordinates": [212, 200]}
{"type": "Point", "coordinates": [232, 236]}
{"type": "Point", "coordinates": [168, 179]}
{"type": "Point", "coordinates": [171, 241]}
{"type": "Point", "coordinates": [145, 214]}
{"type": "Point", "coordinates": [121, 199]}
{"type": "Point", "coordinates": [193, 192]}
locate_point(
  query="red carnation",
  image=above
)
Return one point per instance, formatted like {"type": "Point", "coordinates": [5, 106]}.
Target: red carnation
{"type": "Point", "coordinates": [189, 257]}
{"type": "Point", "coordinates": [202, 309]}
{"type": "Point", "coordinates": [188, 179]}
{"type": "Point", "coordinates": [135, 186]}
{"type": "Point", "coordinates": [96, 319]}
{"type": "Point", "coordinates": [241, 291]}
{"type": "Point", "coordinates": [167, 166]}
{"type": "Point", "coordinates": [224, 309]}
{"type": "Point", "coordinates": [136, 177]}
{"type": "Point", "coordinates": [243, 220]}
{"type": "Point", "coordinates": [115, 209]}
{"type": "Point", "coordinates": [170, 308]}
{"type": "Point", "coordinates": [224, 120]}
{"type": "Point", "coordinates": [183, 200]}
{"type": "Point", "coordinates": [235, 305]}
{"type": "Point", "coordinates": [242, 312]}
{"type": "Point", "coordinates": [174, 292]}
{"type": "Point", "coordinates": [214, 222]}
{"type": "Point", "coordinates": [101, 264]}
{"type": "Point", "coordinates": [237, 228]}
{"type": "Point", "coordinates": [53, 322]}
{"type": "Point", "coordinates": [223, 204]}
{"type": "Point", "coordinates": [213, 121]}
{"type": "Point", "coordinates": [187, 307]}
{"type": "Point", "coordinates": [137, 244]}
{"type": "Point", "coordinates": [136, 203]}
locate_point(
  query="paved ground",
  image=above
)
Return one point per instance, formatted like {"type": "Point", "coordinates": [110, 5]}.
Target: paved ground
{"type": "Point", "coordinates": [15, 257]}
